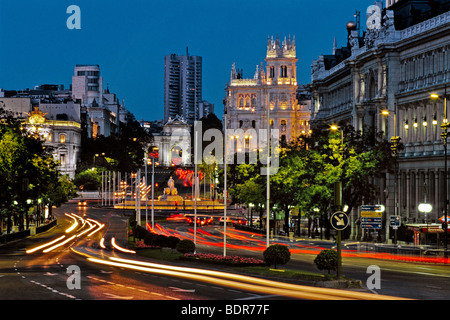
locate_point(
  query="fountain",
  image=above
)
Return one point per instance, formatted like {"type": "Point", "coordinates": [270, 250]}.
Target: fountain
{"type": "Point", "coordinates": [171, 193]}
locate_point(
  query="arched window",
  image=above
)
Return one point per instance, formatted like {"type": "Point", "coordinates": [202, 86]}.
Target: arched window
{"type": "Point", "coordinates": [240, 101]}
{"type": "Point", "coordinates": [253, 100]}
{"type": "Point", "coordinates": [271, 72]}
{"type": "Point", "coordinates": [247, 101]}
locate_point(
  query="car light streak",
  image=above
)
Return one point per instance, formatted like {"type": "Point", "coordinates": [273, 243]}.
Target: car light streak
{"type": "Point", "coordinates": [44, 245]}
{"type": "Point", "coordinates": [149, 228]}
{"type": "Point", "coordinates": [100, 226]}
{"type": "Point", "coordinates": [59, 244]}
{"type": "Point", "coordinates": [102, 243]}
{"type": "Point", "coordinates": [74, 224]}
{"type": "Point", "coordinates": [242, 282]}
{"type": "Point", "coordinates": [114, 244]}
{"type": "Point", "coordinates": [91, 226]}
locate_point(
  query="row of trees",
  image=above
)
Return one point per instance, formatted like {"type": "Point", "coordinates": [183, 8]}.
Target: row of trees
{"type": "Point", "coordinates": [29, 177]}
{"type": "Point", "coordinates": [121, 153]}
{"type": "Point", "coordinates": [308, 170]}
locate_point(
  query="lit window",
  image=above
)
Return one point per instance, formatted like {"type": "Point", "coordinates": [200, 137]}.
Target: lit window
{"type": "Point", "coordinates": [62, 138]}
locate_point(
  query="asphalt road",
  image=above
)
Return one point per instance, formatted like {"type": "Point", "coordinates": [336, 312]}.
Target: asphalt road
{"type": "Point", "coordinates": [413, 280]}
{"type": "Point", "coordinates": [40, 276]}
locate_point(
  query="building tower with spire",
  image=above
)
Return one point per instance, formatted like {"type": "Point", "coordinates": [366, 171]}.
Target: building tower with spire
{"type": "Point", "coordinates": [273, 86]}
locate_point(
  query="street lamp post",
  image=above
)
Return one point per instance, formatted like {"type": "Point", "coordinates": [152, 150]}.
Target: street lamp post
{"type": "Point", "coordinates": [395, 143]}
{"type": "Point", "coordinates": [426, 209]}
{"type": "Point", "coordinates": [444, 136]}
{"type": "Point", "coordinates": [339, 204]}
{"type": "Point", "coordinates": [225, 194]}
{"type": "Point", "coordinates": [268, 174]}
{"type": "Point", "coordinates": [153, 159]}
{"type": "Point", "coordinates": [146, 192]}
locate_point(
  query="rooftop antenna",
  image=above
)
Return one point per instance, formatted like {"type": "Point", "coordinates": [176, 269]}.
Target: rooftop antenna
{"type": "Point", "coordinates": [187, 51]}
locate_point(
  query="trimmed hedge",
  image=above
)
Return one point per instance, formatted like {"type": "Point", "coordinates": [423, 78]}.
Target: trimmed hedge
{"type": "Point", "coordinates": [277, 254]}
{"type": "Point", "coordinates": [185, 246]}
{"type": "Point", "coordinates": [327, 260]}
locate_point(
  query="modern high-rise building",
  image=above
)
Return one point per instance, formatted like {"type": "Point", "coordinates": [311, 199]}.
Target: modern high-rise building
{"type": "Point", "coordinates": [182, 86]}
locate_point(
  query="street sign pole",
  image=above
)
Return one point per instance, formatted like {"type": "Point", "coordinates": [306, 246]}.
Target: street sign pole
{"type": "Point", "coordinates": [339, 221]}
{"type": "Point", "coordinates": [339, 254]}
{"type": "Point", "coordinates": [338, 202]}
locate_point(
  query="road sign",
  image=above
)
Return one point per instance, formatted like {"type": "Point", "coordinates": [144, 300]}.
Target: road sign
{"type": "Point", "coordinates": [339, 220]}
{"type": "Point", "coordinates": [371, 216]}
{"type": "Point", "coordinates": [371, 223]}
{"type": "Point", "coordinates": [372, 211]}
{"type": "Point", "coordinates": [395, 221]}
{"type": "Point", "coordinates": [442, 219]}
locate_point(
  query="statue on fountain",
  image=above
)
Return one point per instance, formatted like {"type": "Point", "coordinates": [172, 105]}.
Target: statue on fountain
{"type": "Point", "coordinates": [170, 193]}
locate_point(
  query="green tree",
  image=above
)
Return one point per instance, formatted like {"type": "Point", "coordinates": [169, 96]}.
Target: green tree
{"type": "Point", "coordinates": [89, 179]}
{"type": "Point", "coordinates": [252, 192]}
{"type": "Point", "coordinates": [310, 166]}
{"type": "Point", "coordinates": [29, 175]}
{"type": "Point", "coordinates": [124, 152]}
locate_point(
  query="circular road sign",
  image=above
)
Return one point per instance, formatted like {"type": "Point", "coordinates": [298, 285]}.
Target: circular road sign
{"type": "Point", "coordinates": [339, 220]}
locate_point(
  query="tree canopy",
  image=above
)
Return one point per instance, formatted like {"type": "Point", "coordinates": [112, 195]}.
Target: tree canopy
{"type": "Point", "coordinates": [310, 166]}
{"type": "Point", "coordinates": [28, 174]}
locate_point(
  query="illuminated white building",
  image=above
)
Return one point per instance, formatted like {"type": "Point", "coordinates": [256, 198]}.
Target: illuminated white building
{"type": "Point", "coordinates": [173, 143]}
{"type": "Point", "coordinates": [62, 136]}
{"type": "Point", "coordinates": [247, 99]}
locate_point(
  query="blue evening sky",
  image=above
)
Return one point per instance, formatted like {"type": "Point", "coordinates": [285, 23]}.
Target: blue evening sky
{"type": "Point", "coordinates": [129, 40]}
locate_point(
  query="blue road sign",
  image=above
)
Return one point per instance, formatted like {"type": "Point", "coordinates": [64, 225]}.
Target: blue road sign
{"type": "Point", "coordinates": [339, 220]}
{"type": "Point", "coordinates": [370, 220]}
{"type": "Point", "coordinates": [371, 223]}
{"type": "Point", "coordinates": [395, 221]}
{"type": "Point", "coordinates": [371, 208]}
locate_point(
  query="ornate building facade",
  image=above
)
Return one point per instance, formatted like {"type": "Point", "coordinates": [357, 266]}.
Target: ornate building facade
{"type": "Point", "coordinates": [384, 80]}
{"type": "Point", "coordinates": [247, 100]}
{"type": "Point", "coordinates": [62, 136]}
{"type": "Point", "coordinates": [172, 145]}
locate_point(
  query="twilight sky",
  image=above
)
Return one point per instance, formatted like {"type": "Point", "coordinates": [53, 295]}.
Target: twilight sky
{"type": "Point", "coordinates": [129, 40]}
